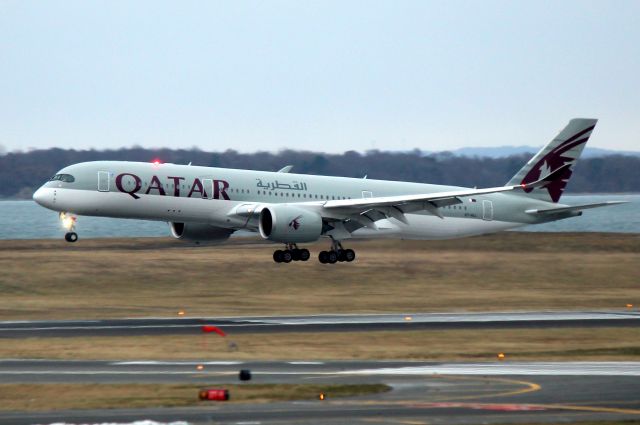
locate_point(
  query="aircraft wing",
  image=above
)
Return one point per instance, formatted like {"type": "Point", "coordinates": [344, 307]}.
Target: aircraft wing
{"type": "Point", "coordinates": [367, 211]}
{"type": "Point", "coordinates": [572, 208]}
{"type": "Point", "coordinates": [364, 212]}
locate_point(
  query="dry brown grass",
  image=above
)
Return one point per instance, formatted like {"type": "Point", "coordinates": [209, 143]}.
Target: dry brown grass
{"type": "Point", "coordinates": [22, 397]}
{"type": "Point", "coordinates": [530, 344]}
{"type": "Point", "coordinates": [157, 277]}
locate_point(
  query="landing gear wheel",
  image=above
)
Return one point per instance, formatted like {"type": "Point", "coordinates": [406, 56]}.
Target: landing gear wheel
{"type": "Point", "coordinates": [304, 254]}
{"type": "Point", "coordinates": [332, 257]}
{"type": "Point", "coordinates": [71, 236]}
{"type": "Point", "coordinates": [295, 254]}
{"type": "Point", "coordinates": [341, 256]}
{"type": "Point", "coordinates": [277, 256]}
{"type": "Point", "coordinates": [286, 256]}
{"type": "Point", "coordinates": [323, 257]}
{"type": "Point", "coordinates": [349, 255]}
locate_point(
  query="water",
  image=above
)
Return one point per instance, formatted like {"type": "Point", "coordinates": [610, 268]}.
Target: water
{"type": "Point", "coordinates": [27, 220]}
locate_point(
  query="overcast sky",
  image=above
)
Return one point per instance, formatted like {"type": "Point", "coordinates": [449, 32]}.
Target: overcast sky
{"type": "Point", "coordinates": [322, 75]}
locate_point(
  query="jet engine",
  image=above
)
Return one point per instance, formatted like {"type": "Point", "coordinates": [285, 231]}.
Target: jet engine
{"type": "Point", "coordinates": [200, 232]}
{"type": "Point", "coordinates": [287, 224]}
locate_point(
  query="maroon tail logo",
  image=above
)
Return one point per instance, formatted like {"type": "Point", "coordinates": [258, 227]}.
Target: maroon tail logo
{"type": "Point", "coordinates": [295, 223]}
{"type": "Point", "coordinates": [554, 160]}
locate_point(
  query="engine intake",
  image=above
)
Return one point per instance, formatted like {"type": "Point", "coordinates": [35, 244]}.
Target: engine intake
{"type": "Point", "coordinates": [287, 224]}
{"type": "Point", "coordinates": [199, 232]}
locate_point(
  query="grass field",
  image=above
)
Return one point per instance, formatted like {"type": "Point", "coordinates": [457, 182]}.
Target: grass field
{"type": "Point", "coordinates": [108, 278]}
{"type": "Point", "coordinates": [445, 345]}
{"type": "Point", "coordinates": [113, 396]}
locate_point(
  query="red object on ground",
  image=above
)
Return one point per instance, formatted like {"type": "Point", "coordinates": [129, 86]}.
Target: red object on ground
{"type": "Point", "coordinates": [211, 328]}
{"type": "Point", "coordinates": [214, 394]}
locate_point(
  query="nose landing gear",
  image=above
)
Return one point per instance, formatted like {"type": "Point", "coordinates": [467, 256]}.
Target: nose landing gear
{"type": "Point", "coordinates": [69, 223]}
{"type": "Point", "coordinates": [291, 253]}
{"type": "Point", "coordinates": [336, 254]}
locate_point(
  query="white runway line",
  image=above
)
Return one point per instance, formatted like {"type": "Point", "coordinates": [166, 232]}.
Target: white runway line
{"type": "Point", "coordinates": [533, 368]}
{"type": "Point", "coordinates": [174, 363]}
{"type": "Point", "coordinates": [143, 422]}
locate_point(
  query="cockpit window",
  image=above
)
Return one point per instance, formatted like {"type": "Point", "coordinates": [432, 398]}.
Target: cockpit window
{"type": "Point", "coordinates": [67, 178]}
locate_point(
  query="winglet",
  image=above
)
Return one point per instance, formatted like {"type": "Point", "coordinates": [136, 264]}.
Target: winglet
{"type": "Point", "coordinates": [285, 169]}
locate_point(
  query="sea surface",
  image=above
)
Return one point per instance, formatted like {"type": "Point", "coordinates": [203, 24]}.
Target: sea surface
{"type": "Point", "coordinates": [28, 220]}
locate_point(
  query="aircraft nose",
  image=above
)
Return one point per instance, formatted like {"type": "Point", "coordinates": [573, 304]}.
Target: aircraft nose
{"type": "Point", "coordinates": [42, 197]}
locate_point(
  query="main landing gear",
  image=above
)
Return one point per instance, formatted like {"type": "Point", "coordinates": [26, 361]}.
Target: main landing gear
{"type": "Point", "coordinates": [291, 253]}
{"type": "Point", "coordinates": [69, 223]}
{"type": "Point", "coordinates": [337, 254]}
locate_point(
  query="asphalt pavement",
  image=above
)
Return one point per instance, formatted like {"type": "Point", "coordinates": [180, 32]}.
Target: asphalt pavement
{"type": "Point", "coordinates": [422, 392]}
{"type": "Point", "coordinates": [319, 323]}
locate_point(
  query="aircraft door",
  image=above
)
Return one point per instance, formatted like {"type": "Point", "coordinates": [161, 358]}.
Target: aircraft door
{"type": "Point", "coordinates": [367, 194]}
{"type": "Point", "coordinates": [487, 210]}
{"type": "Point", "coordinates": [103, 181]}
{"type": "Point", "coordinates": [208, 189]}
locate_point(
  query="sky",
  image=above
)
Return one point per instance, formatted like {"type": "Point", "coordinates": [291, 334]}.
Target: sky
{"type": "Point", "coordinates": [324, 76]}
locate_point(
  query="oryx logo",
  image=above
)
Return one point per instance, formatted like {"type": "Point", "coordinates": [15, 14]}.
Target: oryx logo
{"type": "Point", "coordinates": [556, 158]}
{"type": "Point", "coordinates": [295, 223]}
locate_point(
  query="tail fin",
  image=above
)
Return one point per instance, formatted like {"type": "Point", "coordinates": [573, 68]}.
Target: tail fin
{"type": "Point", "coordinates": [565, 148]}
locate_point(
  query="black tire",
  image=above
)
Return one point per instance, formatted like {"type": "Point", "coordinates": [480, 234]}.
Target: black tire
{"type": "Point", "coordinates": [244, 375]}
{"type": "Point", "coordinates": [304, 254]}
{"type": "Point", "coordinates": [349, 255]}
{"type": "Point", "coordinates": [323, 257]}
{"type": "Point", "coordinates": [277, 256]}
{"type": "Point", "coordinates": [286, 256]}
{"type": "Point", "coordinates": [332, 257]}
{"type": "Point", "coordinates": [295, 254]}
{"type": "Point", "coordinates": [71, 236]}
{"type": "Point", "coordinates": [341, 256]}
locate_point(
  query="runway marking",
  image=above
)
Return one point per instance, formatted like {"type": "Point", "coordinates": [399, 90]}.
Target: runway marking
{"type": "Point", "coordinates": [596, 409]}
{"type": "Point", "coordinates": [108, 372]}
{"type": "Point", "coordinates": [174, 363]}
{"type": "Point", "coordinates": [395, 421]}
{"type": "Point", "coordinates": [529, 387]}
{"type": "Point", "coordinates": [628, 368]}
{"type": "Point", "coordinates": [502, 407]}
{"type": "Point", "coordinates": [529, 407]}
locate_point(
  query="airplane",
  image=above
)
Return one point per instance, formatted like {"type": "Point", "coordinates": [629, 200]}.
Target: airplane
{"type": "Point", "coordinates": [206, 204]}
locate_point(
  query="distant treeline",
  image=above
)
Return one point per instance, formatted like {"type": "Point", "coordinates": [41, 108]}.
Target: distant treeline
{"type": "Point", "coordinates": [21, 173]}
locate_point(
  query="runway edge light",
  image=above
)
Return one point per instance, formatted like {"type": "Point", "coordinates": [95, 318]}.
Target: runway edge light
{"type": "Point", "coordinates": [322, 396]}
{"type": "Point", "coordinates": [501, 356]}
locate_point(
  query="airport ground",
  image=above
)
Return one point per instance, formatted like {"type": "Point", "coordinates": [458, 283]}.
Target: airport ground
{"type": "Point", "coordinates": [117, 278]}
{"type": "Point", "coordinates": [114, 278]}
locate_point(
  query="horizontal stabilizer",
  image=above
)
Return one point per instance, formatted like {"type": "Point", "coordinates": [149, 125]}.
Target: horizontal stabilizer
{"type": "Point", "coordinates": [574, 208]}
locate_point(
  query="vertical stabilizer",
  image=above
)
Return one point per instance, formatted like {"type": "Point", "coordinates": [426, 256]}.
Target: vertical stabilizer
{"type": "Point", "coordinates": [565, 148]}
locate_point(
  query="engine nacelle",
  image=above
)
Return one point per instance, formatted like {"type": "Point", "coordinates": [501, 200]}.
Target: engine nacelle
{"type": "Point", "coordinates": [287, 224]}
{"type": "Point", "coordinates": [200, 232]}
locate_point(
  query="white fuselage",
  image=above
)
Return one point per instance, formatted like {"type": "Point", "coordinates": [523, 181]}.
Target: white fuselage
{"type": "Point", "coordinates": [215, 196]}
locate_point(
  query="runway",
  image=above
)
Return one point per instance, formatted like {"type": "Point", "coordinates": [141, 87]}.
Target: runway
{"type": "Point", "coordinates": [320, 323]}
{"type": "Point", "coordinates": [422, 392]}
